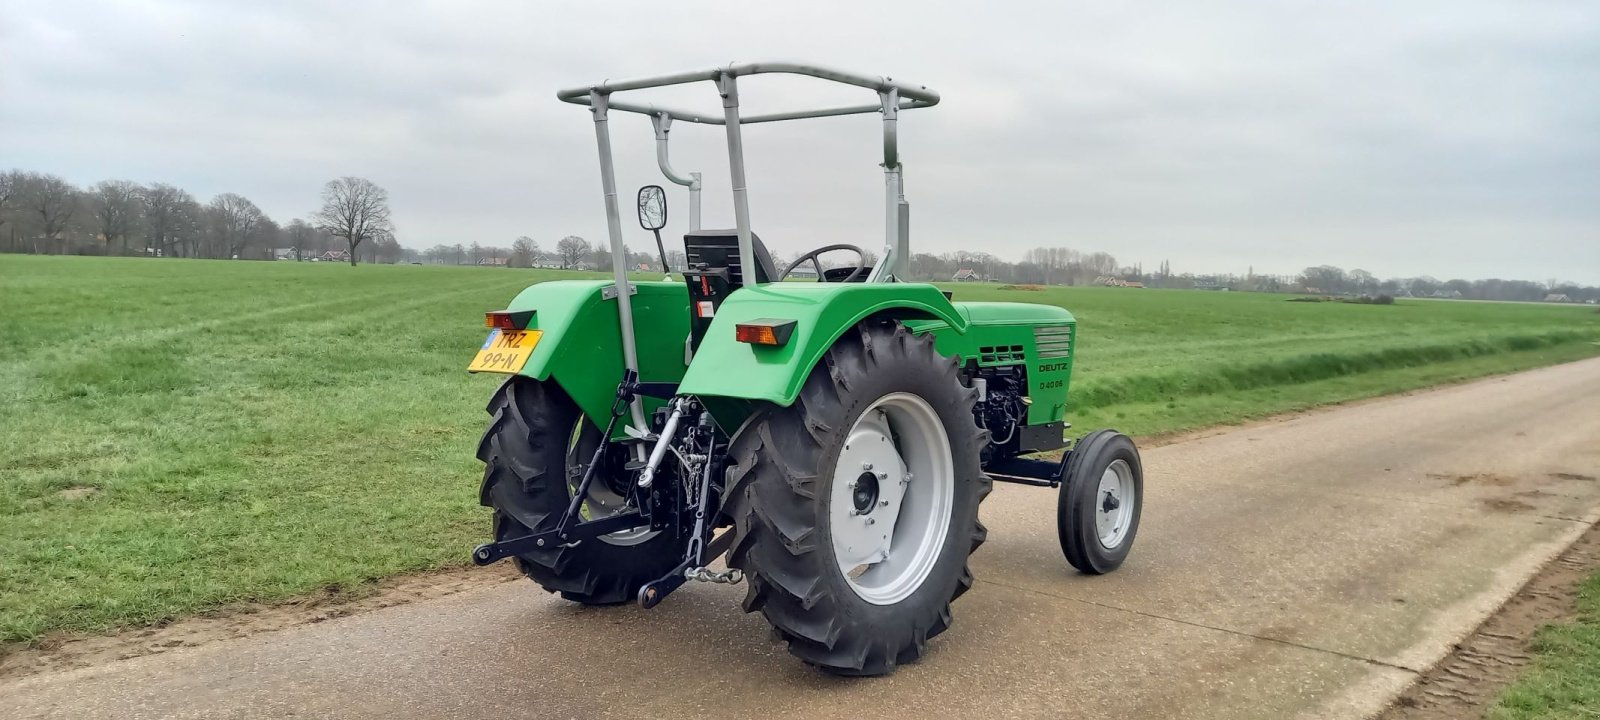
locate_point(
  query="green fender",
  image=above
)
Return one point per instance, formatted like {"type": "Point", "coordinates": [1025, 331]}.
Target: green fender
{"type": "Point", "coordinates": [725, 367]}
{"type": "Point", "coordinates": [581, 344]}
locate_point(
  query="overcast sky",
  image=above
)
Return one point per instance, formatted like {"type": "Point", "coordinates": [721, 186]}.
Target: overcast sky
{"type": "Point", "coordinates": [1458, 139]}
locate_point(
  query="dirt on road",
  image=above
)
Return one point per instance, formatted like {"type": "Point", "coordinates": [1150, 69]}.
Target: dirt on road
{"type": "Point", "coordinates": [1312, 567]}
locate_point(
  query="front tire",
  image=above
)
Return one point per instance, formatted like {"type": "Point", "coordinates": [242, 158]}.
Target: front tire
{"type": "Point", "coordinates": [537, 441]}
{"type": "Point", "coordinates": [1102, 497]}
{"type": "Point", "coordinates": [856, 507]}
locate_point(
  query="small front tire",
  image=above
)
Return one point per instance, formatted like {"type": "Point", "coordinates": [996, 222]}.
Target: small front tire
{"type": "Point", "coordinates": [1102, 497]}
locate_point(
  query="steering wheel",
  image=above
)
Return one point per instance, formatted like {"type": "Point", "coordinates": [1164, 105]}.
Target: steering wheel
{"type": "Point", "coordinates": [861, 266]}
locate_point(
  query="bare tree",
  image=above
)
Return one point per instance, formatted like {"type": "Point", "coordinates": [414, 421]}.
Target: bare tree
{"type": "Point", "coordinates": [1051, 259]}
{"type": "Point", "coordinates": [52, 199]}
{"type": "Point", "coordinates": [354, 209]}
{"type": "Point", "coordinates": [524, 251]}
{"type": "Point", "coordinates": [1362, 281]}
{"type": "Point", "coordinates": [116, 210]}
{"type": "Point", "coordinates": [1324, 279]}
{"type": "Point", "coordinates": [301, 235]}
{"type": "Point", "coordinates": [386, 249]}
{"type": "Point", "coordinates": [1100, 263]}
{"type": "Point", "coordinates": [235, 220]}
{"type": "Point", "coordinates": [169, 214]}
{"type": "Point", "coordinates": [572, 250]}
{"type": "Point", "coordinates": [10, 185]}
{"type": "Point", "coordinates": [267, 234]}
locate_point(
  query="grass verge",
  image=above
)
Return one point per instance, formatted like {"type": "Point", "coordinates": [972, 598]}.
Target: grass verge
{"type": "Point", "coordinates": [1564, 681]}
{"type": "Point", "coordinates": [1178, 413]}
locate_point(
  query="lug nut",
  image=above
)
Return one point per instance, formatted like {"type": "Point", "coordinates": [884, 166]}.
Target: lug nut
{"type": "Point", "coordinates": [883, 503]}
{"type": "Point", "coordinates": [866, 466]}
{"type": "Point", "coordinates": [872, 521]}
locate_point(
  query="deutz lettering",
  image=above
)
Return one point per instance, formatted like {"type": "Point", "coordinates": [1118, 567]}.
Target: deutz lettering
{"type": "Point", "coordinates": [1054, 367]}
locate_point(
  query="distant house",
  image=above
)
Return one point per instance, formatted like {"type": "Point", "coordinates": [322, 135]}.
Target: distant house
{"type": "Point", "coordinates": [493, 261]}
{"type": "Point", "coordinates": [332, 256]}
{"type": "Point", "coordinates": [966, 275]}
{"type": "Point", "coordinates": [804, 271]}
{"type": "Point", "coordinates": [1557, 297]}
{"type": "Point", "coordinates": [1447, 294]}
{"type": "Point", "coordinates": [283, 253]}
{"type": "Point", "coordinates": [1114, 281]}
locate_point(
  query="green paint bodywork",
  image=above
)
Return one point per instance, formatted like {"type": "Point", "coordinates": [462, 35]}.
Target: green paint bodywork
{"type": "Point", "coordinates": [581, 345]}
{"type": "Point", "coordinates": [821, 311]}
{"type": "Point", "coordinates": [1004, 333]}
{"type": "Point", "coordinates": [582, 342]}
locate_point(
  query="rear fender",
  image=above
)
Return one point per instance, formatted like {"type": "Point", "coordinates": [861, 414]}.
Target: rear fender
{"type": "Point", "coordinates": [581, 343]}
{"type": "Point", "coordinates": [725, 367]}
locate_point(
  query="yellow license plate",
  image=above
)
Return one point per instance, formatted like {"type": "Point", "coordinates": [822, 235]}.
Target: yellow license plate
{"type": "Point", "coordinates": [506, 351]}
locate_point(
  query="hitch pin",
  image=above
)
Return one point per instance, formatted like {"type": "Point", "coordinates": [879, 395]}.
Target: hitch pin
{"type": "Point", "coordinates": [648, 475]}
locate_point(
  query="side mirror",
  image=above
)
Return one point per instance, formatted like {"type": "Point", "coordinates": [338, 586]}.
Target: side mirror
{"type": "Point", "coordinates": [652, 207]}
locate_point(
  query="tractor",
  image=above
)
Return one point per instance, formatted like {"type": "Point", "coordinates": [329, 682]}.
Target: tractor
{"type": "Point", "coordinates": [826, 442]}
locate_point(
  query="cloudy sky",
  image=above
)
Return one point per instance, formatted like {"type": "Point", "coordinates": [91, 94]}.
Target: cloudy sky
{"type": "Point", "coordinates": [1458, 139]}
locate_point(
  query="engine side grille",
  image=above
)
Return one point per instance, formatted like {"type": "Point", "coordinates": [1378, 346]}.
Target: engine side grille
{"type": "Point", "coordinates": [1001, 354]}
{"type": "Point", "coordinates": [1054, 341]}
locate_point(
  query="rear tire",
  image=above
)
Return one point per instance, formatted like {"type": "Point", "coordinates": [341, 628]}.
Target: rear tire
{"type": "Point", "coordinates": [785, 490]}
{"type": "Point", "coordinates": [1102, 497]}
{"type": "Point", "coordinates": [527, 453]}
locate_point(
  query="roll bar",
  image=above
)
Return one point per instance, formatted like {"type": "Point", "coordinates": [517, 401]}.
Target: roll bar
{"type": "Point", "coordinates": [893, 96]}
{"type": "Point", "coordinates": [911, 95]}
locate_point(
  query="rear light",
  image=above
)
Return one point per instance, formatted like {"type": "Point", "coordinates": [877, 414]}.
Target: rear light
{"type": "Point", "coordinates": [507, 319]}
{"type": "Point", "coordinates": [765, 331]}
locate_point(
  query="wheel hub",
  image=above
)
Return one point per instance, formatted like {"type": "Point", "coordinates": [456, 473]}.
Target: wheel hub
{"type": "Point", "coordinates": [891, 501]}
{"type": "Point", "coordinates": [1114, 514]}
{"type": "Point", "coordinates": [865, 493]}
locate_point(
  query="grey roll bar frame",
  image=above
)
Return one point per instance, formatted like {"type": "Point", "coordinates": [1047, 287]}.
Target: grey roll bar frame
{"type": "Point", "coordinates": [893, 96]}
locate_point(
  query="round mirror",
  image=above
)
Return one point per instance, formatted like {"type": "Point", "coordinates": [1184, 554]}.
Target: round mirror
{"type": "Point", "coordinates": [652, 207]}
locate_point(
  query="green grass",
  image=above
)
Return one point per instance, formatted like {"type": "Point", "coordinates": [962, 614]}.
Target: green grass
{"type": "Point", "coordinates": [1564, 681]}
{"type": "Point", "coordinates": [177, 436]}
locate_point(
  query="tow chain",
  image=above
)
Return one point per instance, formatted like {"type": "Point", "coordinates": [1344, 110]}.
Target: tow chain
{"type": "Point", "coordinates": [731, 576]}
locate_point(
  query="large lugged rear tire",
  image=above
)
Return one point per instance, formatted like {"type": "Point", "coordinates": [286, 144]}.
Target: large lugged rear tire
{"type": "Point", "coordinates": [805, 491]}
{"type": "Point", "coordinates": [528, 451]}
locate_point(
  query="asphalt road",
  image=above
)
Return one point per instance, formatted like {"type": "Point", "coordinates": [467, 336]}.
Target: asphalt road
{"type": "Point", "coordinates": [1307, 567]}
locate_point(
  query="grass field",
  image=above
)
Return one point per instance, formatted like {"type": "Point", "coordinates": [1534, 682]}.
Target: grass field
{"type": "Point", "coordinates": [177, 436]}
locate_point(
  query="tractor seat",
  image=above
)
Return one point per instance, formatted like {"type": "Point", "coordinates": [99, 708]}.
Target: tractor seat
{"type": "Point", "coordinates": [720, 248]}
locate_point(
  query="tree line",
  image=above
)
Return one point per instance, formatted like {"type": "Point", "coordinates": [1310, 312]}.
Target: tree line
{"type": "Point", "coordinates": [46, 214]}
{"type": "Point", "coordinates": [1066, 266]}
{"type": "Point", "coordinates": [569, 253]}
{"type": "Point", "coordinates": [42, 213]}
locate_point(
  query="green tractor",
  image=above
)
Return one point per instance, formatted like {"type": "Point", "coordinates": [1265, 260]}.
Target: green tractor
{"type": "Point", "coordinates": [830, 441]}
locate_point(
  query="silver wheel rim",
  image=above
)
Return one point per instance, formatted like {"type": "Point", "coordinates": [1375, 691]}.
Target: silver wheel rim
{"type": "Point", "coordinates": [891, 500]}
{"type": "Point", "coordinates": [600, 502]}
{"type": "Point", "coordinates": [1114, 501]}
